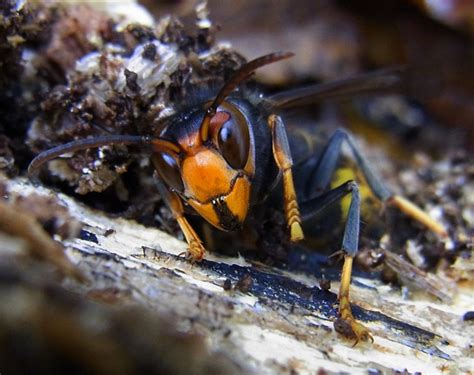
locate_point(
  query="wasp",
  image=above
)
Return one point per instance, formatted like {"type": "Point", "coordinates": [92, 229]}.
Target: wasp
{"type": "Point", "coordinates": [226, 155]}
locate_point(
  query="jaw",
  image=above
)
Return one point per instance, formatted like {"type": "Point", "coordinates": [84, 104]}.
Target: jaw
{"type": "Point", "coordinates": [227, 212]}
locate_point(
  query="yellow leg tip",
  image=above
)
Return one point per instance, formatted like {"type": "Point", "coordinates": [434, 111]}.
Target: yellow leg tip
{"type": "Point", "coordinates": [195, 251]}
{"type": "Point", "coordinates": [352, 330]}
{"type": "Point", "coordinates": [418, 214]}
{"type": "Point", "coordinates": [296, 232]}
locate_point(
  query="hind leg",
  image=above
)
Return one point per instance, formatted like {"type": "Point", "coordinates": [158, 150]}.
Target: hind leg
{"type": "Point", "coordinates": [319, 181]}
{"type": "Point", "coordinates": [327, 164]}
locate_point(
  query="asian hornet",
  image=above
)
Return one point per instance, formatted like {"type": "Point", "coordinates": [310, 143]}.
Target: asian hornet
{"type": "Point", "coordinates": [224, 156]}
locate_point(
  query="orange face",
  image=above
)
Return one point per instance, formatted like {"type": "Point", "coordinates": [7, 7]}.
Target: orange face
{"type": "Point", "coordinates": [217, 192]}
{"type": "Point", "coordinates": [213, 176]}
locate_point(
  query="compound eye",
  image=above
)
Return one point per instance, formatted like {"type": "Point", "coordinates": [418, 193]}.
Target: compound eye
{"type": "Point", "coordinates": [168, 169]}
{"type": "Point", "coordinates": [233, 140]}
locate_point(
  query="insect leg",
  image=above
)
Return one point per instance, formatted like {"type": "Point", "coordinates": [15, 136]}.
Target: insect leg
{"type": "Point", "coordinates": [345, 323]}
{"type": "Point", "coordinates": [328, 162]}
{"type": "Point", "coordinates": [195, 247]}
{"type": "Point", "coordinates": [312, 207]}
{"type": "Point", "coordinates": [282, 155]}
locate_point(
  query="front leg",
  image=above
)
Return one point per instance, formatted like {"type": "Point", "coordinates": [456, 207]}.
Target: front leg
{"type": "Point", "coordinates": [282, 155]}
{"type": "Point", "coordinates": [196, 249]}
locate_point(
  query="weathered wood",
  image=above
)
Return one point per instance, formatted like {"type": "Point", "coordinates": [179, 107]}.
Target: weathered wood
{"type": "Point", "coordinates": [281, 322]}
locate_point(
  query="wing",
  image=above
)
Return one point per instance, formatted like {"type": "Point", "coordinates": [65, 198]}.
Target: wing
{"type": "Point", "coordinates": [397, 79]}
